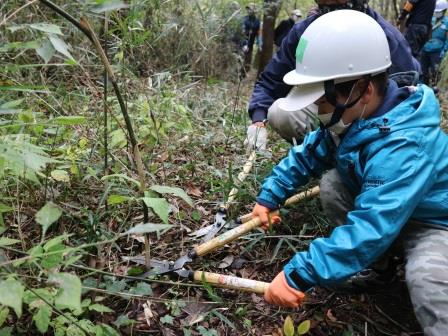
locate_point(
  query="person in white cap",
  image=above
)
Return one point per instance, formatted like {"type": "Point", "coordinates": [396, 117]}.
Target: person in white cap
{"type": "Point", "coordinates": [285, 26]}
{"type": "Point", "coordinates": [390, 158]}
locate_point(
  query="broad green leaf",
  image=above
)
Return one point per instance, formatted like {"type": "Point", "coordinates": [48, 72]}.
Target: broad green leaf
{"type": "Point", "coordinates": [42, 318]}
{"type": "Point", "coordinates": [160, 206]}
{"type": "Point", "coordinates": [5, 208]}
{"type": "Point", "coordinates": [55, 241]}
{"type": "Point", "coordinates": [6, 331]}
{"type": "Point", "coordinates": [46, 27]}
{"type": "Point", "coordinates": [207, 332]}
{"type": "Point", "coordinates": [22, 158]}
{"type": "Point", "coordinates": [105, 330]}
{"type": "Point", "coordinates": [109, 5]}
{"type": "Point", "coordinates": [69, 120]}
{"type": "Point", "coordinates": [73, 330]}
{"type": "Point", "coordinates": [9, 111]}
{"type": "Point", "coordinates": [5, 241]}
{"type": "Point", "coordinates": [47, 215]}
{"type": "Point", "coordinates": [167, 319]}
{"type": "Point", "coordinates": [118, 139]}
{"type": "Point", "coordinates": [100, 308]}
{"type": "Point", "coordinates": [54, 259]}
{"type": "Point", "coordinates": [304, 327]}
{"type": "Point", "coordinates": [11, 295]}
{"type": "Point", "coordinates": [46, 51]}
{"type": "Point", "coordinates": [60, 175]}
{"type": "Point", "coordinates": [117, 199]}
{"type": "Point", "coordinates": [12, 103]}
{"type": "Point", "coordinates": [134, 271]}
{"type": "Point", "coordinates": [116, 286]}
{"type": "Point", "coordinates": [60, 46]}
{"type": "Point", "coordinates": [288, 326]}
{"type": "Point", "coordinates": [19, 46]}
{"type": "Point", "coordinates": [148, 228]}
{"type": "Point", "coordinates": [35, 298]}
{"type": "Point", "coordinates": [88, 326]}
{"type": "Point", "coordinates": [174, 191]}
{"type": "Point", "coordinates": [123, 321]}
{"type": "Point", "coordinates": [69, 294]}
{"type": "Point", "coordinates": [4, 312]}
{"type": "Point", "coordinates": [142, 288]}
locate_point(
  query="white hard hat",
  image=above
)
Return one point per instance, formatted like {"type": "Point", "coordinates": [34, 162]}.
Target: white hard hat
{"type": "Point", "coordinates": [441, 5]}
{"type": "Point", "coordinates": [342, 45]}
{"type": "Point", "coordinates": [296, 12]}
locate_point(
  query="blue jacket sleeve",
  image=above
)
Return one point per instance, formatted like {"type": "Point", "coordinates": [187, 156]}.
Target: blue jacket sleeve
{"type": "Point", "coordinates": [391, 190]}
{"type": "Point", "coordinates": [311, 158]}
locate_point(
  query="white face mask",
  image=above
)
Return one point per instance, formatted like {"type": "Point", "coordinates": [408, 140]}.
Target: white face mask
{"type": "Point", "coordinates": [338, 128]}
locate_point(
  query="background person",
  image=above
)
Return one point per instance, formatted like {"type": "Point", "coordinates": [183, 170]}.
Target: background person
{"type": "Point", "coordinates": [285, 26]}
{"type": "Point", "coordinates": [416, 16]}
{"type": "Point", "coordinates": [434, 50]}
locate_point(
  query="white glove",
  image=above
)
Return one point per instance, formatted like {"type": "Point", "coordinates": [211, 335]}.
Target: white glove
{"type": "Point", "coordinates": [257, 138]}
{"type": "Point", "coordinates": [245, 49]}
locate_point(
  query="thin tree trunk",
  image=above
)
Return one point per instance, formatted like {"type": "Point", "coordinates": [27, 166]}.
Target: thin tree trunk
{"type": "Point", "coordinates": [269, 15]}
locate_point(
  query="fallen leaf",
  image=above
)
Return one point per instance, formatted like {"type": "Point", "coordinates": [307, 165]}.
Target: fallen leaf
{"type": "Point", "coordinates": [193, 190]}
{"type": "Point", "coordinates": [226, 262]}
{"type": "Point", "coordinates": [167, 332]}
{"type": "Point", "coordinates": [330, 316]}
{"type": "Point", "coordinates": [196, 312]}
{"type": "Point", "coordinates": [139, 238]}
{"type": "Point", "coordinates": [148, 312]}
{"type": "Point", "coordinates": [164, 156]}
{"type": "Point", "coordinates": [238, 263]}
{"type": "Point", "coordinates": [203, 211]}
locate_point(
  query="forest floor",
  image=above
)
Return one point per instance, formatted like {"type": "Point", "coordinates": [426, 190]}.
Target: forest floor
{"type": "Point", "coordinates": [198, 146]}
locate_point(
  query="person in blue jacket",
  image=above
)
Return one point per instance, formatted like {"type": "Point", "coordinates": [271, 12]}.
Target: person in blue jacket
{"type": "Point", "coordinates": [270, 85]}
{"type": "Point", "coordinates": [389, 159]}
{"type": "Point", "coordinates": [416, 16]}
{"type": "Point", "coordinates": [434, 50]}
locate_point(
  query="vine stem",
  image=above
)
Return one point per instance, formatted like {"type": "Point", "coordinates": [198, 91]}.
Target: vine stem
{"type": "Point", "coordinates": [84, 25]}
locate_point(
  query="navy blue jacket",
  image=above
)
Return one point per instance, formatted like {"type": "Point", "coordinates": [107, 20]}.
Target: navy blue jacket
{"type": "Point", "coordinates": [251, 27]}
{"type": "Point", "coordinates": [422, 12]}
{"type": "Point", "coordinates": [270, 86]}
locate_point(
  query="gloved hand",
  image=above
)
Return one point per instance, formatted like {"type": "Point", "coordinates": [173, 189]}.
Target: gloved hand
{"type": "Point", "coordinates": [257, 137]}
{"type": "Point", "coordinates": [282, 294]}
{"type": "Point", "coordinates": [245, 49]}
{"type": "Point", "coordinates": [263, 213]}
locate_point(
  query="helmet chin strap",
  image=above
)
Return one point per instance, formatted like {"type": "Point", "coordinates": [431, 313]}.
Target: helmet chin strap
{"type": "Point", "coordinates": [339, 109]}
{"type": "Point", "coordinates": [359, 5]}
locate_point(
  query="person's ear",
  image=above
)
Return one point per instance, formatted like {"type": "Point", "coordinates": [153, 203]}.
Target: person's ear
{"type": "Point", "coordinates": [367, 96]}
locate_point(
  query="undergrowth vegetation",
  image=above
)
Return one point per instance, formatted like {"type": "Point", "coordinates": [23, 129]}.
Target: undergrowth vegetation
{"type": "Point", "coordinates": [73, 196]}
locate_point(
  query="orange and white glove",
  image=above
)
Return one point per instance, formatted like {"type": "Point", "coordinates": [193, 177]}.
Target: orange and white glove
{"type": "Point", "coordinates": [282, 294]}
{"type": "Point", "coordinates": [266, 219]}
